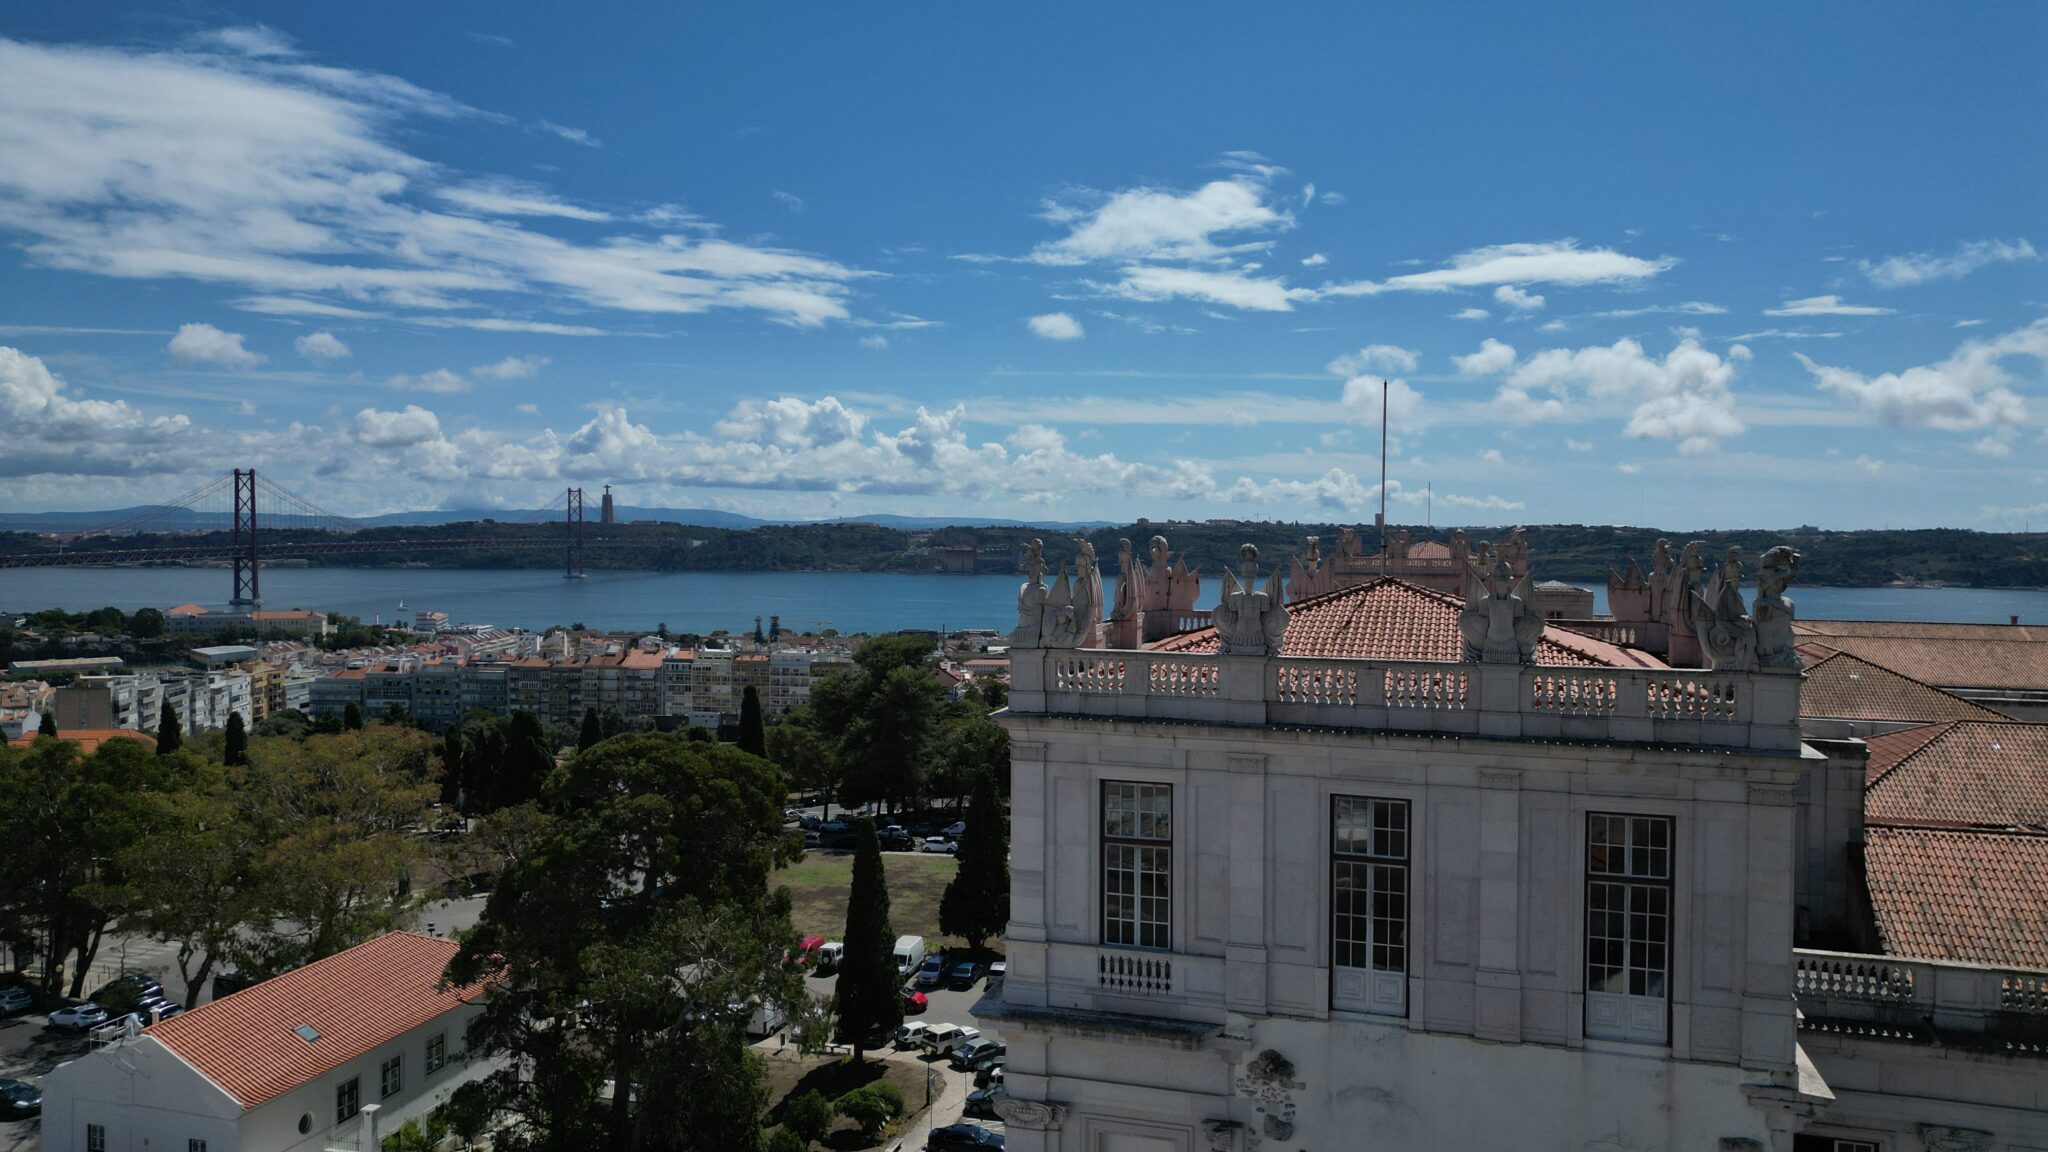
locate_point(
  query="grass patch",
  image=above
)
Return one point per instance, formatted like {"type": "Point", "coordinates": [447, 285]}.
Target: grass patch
{"type": "Point", "coordinates": [835, 1076]}
{"type": "Point", "coordinates": [820, 883]}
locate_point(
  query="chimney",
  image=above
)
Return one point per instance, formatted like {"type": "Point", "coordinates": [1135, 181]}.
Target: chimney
{"type": "Point", "coordinates": [2015, 618]}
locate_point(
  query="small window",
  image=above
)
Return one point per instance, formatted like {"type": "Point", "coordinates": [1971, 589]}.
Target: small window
{"type": "Point", "coordinates": [348, 1099]}
{"type": "Point", "coordinates": [305, 1123]}
{"type": "Point", "coordinates": [95, 1138]}
{"type": "Point", "coordinates": [437, 1052]}
{"type": "Point", "coordinates": [195, 1144]}
{"type": "Point", "coordinates": [307, 1032]}
{"type": "Point", "coordinates": [389, 1079]}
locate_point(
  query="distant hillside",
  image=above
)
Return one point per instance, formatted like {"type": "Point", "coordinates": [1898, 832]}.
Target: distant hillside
{"type": "Point", "coordinates": [182, 520]}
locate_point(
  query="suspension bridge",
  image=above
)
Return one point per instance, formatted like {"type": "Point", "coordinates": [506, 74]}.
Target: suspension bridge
{"type": "Point", "coordinates": [243, 520]}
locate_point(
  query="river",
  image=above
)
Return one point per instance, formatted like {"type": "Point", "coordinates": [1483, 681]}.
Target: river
{"type": "Point", "coordinates": [704, 602]}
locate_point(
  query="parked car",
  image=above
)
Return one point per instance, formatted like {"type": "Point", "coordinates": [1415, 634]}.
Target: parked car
{"type": "Point", "coordinates": [126, 990]}
{"type": "Point", "coordinates": [19, 1100]}
{"type": "Point", "coordinates": [810, 823]}
{"type": "Point", "coordinates": [956, 829]}
{"type": "Point", "coordinates": [922, 829]}
{"type": "Point", "coordinates": [78, 1017]}
{"type": "Point", "coordinates": [914, 1002]}
{"type": "Point", "coordinates": [874, 1039]}
{"type": "Point", "coordinates": [962, 1138]}
{"type": "Point", "coordinates": [812, 839]}
{"type": "Point", "coordinates": [990, 1074]}
{"type": "Point", "coordinates": [228, 983]}
{"type": "Point", "coordinates": [982, 1102]}
{"type": "Point", "coordinates": [893, 830]}
{"type": "Point", "coordinates": [971, 1055]}
{"type": "Point", "coordinates": [829, 955]}
{"type": "Point", "coordinates": [792, 815]}
{"type": "Point", "coordinates": [835, 826]}
{"type": "Point", "coordinates": [908, 954]}
{"type": "Point", "coordinates": [895, 842]}
{"type": "Point", "coordinates": [911, 1034]}
{"type": "Point", "coordinates": [943, 1038]}
{"type": "Point", "coordinates": [937, 844]}
{"type": "Point", "coordinates": [933, 972]}
{"type": "Point", "coordinates": [965, 974]}
{"type": "Point", "coordinates": [14, 1000]}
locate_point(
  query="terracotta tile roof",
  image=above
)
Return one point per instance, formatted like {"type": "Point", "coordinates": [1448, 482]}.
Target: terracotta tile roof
{"type": "Point", "coordinates": [356, 1000]}
{"type": "Point", "coordinates": [1961, 655]}
{"type": "Point", "coordinates": [1980, 897]}
{"type": "Point", "coordinates": [1887, 750]}
{"type": "Point", "coordinates": [1392, 619]}
{"type": "Point", "coordinates": [89, 739]}
{"type": "Point", "coordinates": [1843, 686]}
{"type": "Point", "coordinates": [1968, 773]}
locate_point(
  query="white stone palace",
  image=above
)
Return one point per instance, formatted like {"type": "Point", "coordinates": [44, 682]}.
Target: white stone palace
{"type": "Point", "coordinates": [1385, 866]}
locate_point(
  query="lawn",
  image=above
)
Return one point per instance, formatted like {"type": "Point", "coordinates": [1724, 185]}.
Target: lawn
{"type": "Point", "coordinates": [818, 886]}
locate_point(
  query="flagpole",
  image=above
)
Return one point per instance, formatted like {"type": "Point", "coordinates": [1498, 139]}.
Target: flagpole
{"type": "Point", "coordinates": [1383, 477]}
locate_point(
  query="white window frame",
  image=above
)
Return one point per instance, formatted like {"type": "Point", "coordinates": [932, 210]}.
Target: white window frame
{"type": "Point", "coordinates": [1629, 932]}
{"type": "Point", "coordinates": [352, 1090]}
{"type": "Point", "coordinates": [391, 1077]}
{"type": "Point", "coordinates": [1381, 851]}
{"type": "Point", "coordinates": [1137, 851]}
{"type": "Point", "coordinates": [437, 1052]}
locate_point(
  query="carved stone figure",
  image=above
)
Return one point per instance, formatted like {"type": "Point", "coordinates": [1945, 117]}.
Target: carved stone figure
{"type": "Point", "coordinates": [1166, 589]}
{"type": "Point", "coordinates": [1067, 615]}
{"type": "Point", "coordinates": [1348, 545]}
{"type": "Point", "coordinates": [1398, 549]}
{"type": "Point", "coordinates": [1041, 1115]}
{"type": "Point", "coordinates": [1461, 554]}
{"type": "Point", "coordinates": [1499, 624]}
{"type": "Point", "coordinates": [1222, 1134]}
{"type": "Point", "coordinates": [1726, 633]}
{"type": "Point", "coordinates": [1031, 598]}
{"type": "Point", "coordinates": [1772, 610]}
{"type": "Point", "coordinates": [1126, 582]}
{"type": "Point", "coordinates": [1250, 621]}
{"type": "Point", "coordinates": [1659, 581]}
{"type": "Point", "coordinates": [1311, 575]}
{"type": "Point", "coordinates": [1515, 550]}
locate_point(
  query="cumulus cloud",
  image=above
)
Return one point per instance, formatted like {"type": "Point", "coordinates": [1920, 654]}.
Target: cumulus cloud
{"type": "Point", "coordinates": [58, 433]}
{"type": "Point", "coordinates": [321, 346]}
{"type": "Point", "coordinates": [1471, 314]}
{"type": "Point", "coordinates": [402, 429]}
{"type": "Point", "coordinates": [1375, 358]}
{"type": "Point", "coordinates": [1922, 267]}
{"type": "Point", "coordinates": [1517, 299]}
{"type": "Point", "coordinates": [1151, 223]}
{"type": "Point", "coordinates": [148, 165]}
{"type": "Point", "coordinates": [1492, 358]}
{"type": "Point", "coordinates": [1314, 260]}
{"type": "Point", "coordinates": [440, 380]}
{"type": "Point", "coordinates": [512, 368]}
{"type": "Point", "coordinates": [874, 341]}
{"type": "Point", "coordinates": [1682, 397]}
{"type": "Point", "coordinates": [205, 344]}
{"type": "Point", "coordinates": [789, 200]}
{"type": "Point", "coordinates": [1970, 389]}
{"type": "Point", "coordinates": [1552, 262]}
{"type": "Point", "coordinates": [1825, 306]}
{"type": "Point", "coordinates": [1231, 287]}
{"type": "Point", "coordinates": [1055, 326]}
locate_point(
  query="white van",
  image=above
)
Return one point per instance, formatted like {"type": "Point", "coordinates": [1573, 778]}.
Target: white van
{"type": "Point", "coordinates": [830, 954]}
{"type": "Point", "coordinates": [909, 954]}
{"type": "Point", "coordinates": [943, 1038]}
{"type": "Point", "coordinates": [766, 1019]}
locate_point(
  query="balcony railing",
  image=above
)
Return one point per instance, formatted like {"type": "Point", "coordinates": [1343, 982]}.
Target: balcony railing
{"type": "Point", "coordinates": [1949, 996]}
{"type": "Point", "coordinates": [1686, 707]}
{"type": "Point", "coordinates": [1133, 973]}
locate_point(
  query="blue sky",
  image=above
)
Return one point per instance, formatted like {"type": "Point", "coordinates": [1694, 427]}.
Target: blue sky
{"type": "Point", "coordinates": [1746, 267]}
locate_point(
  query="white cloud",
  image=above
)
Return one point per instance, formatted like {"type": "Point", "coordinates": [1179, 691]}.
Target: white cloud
{"type": "Point", "coordinates": [56, 433]}
{"type": "Point", "coordinates": [515, 198]}
{"type": "Point", "coordinates": [1579, 445]}
{"type": "Point", "coordinates": [1375, 358]}
{"type": "Point", "coordinates": [413, 425]}
{"type": "Point", "coordinates": [1333, 198]}
{"type": "Point", "coordinates": [1055, 326]}
{"type": "Point", "coordinates": [152, 165]}
{"type": "Point", "coordinates": [1969, 323]}
{"type": "Point", "coordinates": [572, 135]}
{"type": "Point", "coordinates": [1471, 314]}
{"type": "Point", "coordinates": [789, 200]}
{"type": "Point", "coordinates": [257, 40]}
{"type": "Point", "coordinates": [1825, 306]}
{"type": "Point", "coordinates": [1921, 267]}
{"type": "Point", "coordinates": [440, 380]}
{"type": "Point", "coordinates": [321, 346]}
{"type": "Point", "coordinates": [1314, 260]}
{"type": "Point", "coordinates": [1162, 224]}
{"type": "Point", "coordinates": [1970, 389]}
{"type": "Point", "coordinates": [1481, 503]}
{"type": "Point", "coordinates": [1517, 299]}
{"type": "Point", "coordinates": [1552, 262]}
{"type": "Point", "coordinates": [1492, 358]}
{"type": "Point", "coordinates": [528, 409]}
{"type": "Point", "coordinates": [205, 344]}
{"type": "Point", "coordinates": [1683, 397]}
{"type": "Point", "coordinates": [1686, 308]}
{"type": "Point", "coordinates": [874, 341]}
{"type": "Point", "coordinates": [512, 368]}
{"type": "Point", "coordinates": [1234, 288]}
{"type": "Point", "coordinates": [1493, 456]}
{"type": "Point", "coordinates": [1553, 326]}
{"type": "Point", "coordinates": [1627, 469]}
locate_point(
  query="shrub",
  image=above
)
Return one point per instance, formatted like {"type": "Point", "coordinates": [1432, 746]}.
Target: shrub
{"type": "Point", "coordinates": [807, 1116]}
{"type": "Point", "coordinates": [872, 1108]}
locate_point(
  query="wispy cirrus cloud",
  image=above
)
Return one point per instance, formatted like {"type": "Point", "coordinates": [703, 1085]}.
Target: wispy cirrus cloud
{"type": "Point", "coordinates": [1825, 306]}
{"type": "Point", "coordinates": [1923, 267]}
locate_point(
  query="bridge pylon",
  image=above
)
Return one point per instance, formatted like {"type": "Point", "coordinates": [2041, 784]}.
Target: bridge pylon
{"type": "Point", "coordinates": [573, 509]}
{"type": "Point", "coordinates": [248, 573]}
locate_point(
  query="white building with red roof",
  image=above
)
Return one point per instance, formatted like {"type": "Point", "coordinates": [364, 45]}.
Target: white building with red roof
{"type": "Point", "coordinates": [328, 1056]}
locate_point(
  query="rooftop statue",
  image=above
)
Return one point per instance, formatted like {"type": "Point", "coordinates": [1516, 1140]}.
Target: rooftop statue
{"type": "Point", "coordinates": [1735, 638]}
{"type": "Point", "coordinates": [1398, 550]}
{"type": "Point", "coordinates": [1031, 597]}
{"type": "Point", "coordinates": [1348, 545]}
{"type": "Point", "coordinates": [1772, 611]}
{"type": "Point", "coordinates": [1311, 574]}
{"type": "Point", "coordinates": [1126, 606]}
{"type": "Point", "coordinates": [1499, 624]}
{"type": "Point", "coordinates": [1515, 550]}
{"type": "Point", "coordinates": [1250, 621]}
{"type": "Point", "coordinates": [1066, 615]}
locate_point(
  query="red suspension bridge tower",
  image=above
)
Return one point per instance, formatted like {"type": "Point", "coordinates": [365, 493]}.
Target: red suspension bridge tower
{"type": "Point", "coordinates": [573, 508]}
{"type": "Point", "coordinates": [248, 574]}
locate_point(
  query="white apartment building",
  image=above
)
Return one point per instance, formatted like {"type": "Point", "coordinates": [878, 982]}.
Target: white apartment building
{"type": "Point", "coordinates": [332, 1055]}
{"type": "Point", "coordinates": [1378, 890]}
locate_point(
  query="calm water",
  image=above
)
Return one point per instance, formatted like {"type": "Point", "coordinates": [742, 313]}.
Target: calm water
{"type": "Point", "coordinates": [706, 601]}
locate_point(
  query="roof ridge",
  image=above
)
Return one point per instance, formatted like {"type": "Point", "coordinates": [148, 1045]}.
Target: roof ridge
{"type": "Point", "coordinates": [1946, 727]}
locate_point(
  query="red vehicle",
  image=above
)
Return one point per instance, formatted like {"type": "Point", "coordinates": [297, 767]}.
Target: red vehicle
{"type": "Point", "coordinates": [914, 1002]}
{"type": "Point", "coordinates": [807, 950]}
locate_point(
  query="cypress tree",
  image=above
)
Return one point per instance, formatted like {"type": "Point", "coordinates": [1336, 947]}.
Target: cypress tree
{"type": "Point", "coordinates": [593, 731]}
{"type": "Point", "coordinates": [236, 751]}
{"type": "Point", "coordinates": [868, 980]}
{"type": "Point", "coordinates": [169, 736]}
{"type": "Point", "coordinates": [352, 717]}
{"type": "Point", "coordinates": [753, 737]}
{"type": "Point", "coordinates": [976, 905]}
{"type": "Point", "coordinates": [526, 763]}
{"type": "Point", "coordinates": [48, 726]}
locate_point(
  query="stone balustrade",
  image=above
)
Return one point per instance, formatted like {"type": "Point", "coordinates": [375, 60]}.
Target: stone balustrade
{"type": "Point", "coordinates": [1680, 707]}
{"type": "Point", "coordinates": [1950, 996]}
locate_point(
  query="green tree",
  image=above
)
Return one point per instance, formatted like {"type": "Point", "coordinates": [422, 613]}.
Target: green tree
{"type": "Point", "coordinates": [804, 757]}
{"type": "Point", "coordinates": [195, 877]}
{"type": "Point", "coordinates": [169, 736]}
{"type": "Point", "coordinates": [593, 731]}
{"type": "Point", "coordinates": [976, 904]}
{"type": "Point", "coordinates": [786, 1141]}
{"type": "Point", "coordinates": [48, 727]}
{"type": "Point", "coordinates": [808, 1116]}
{"type": "Point", "coordinates": [868, 980]}
{"type": "Point", "coordinates": [352, 717]}
{"type": "Point", "coordinates": [872, 1107]}
{"type": "Point", "coordinates": [146, 624]}
{"type": "Point", "coordinates": [752, 740]}
{"type": "Point", "coordinates": [236, 751]}
{"type": "Point", "coordinates": [525, 764]}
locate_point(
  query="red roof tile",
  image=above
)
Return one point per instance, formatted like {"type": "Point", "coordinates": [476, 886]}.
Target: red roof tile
{"type": "Point", "coordinates": [1962, 655]}
{"type": "Point", "coordinates": [89, 739]}
{"type": "Point", "coordinates": [1843, 686]}
{"type": "Point", "coordinates": [1887, 750]}
{"type": "Point", "coordinates": [1391, 619]}
{"type": "Point", "coordinates": [1969, 773]}
{"type": "Point", "coordinates": [356, 1000]}
{"type": "Point", "coordinates": [1980, 897]}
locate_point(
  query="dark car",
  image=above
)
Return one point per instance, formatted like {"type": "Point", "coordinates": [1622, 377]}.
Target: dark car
{"type": "Point", "coordinates": [895, 841]}
{"type": "Point", "coordinates": [989, 1073]}
{"type": "Point", "coordinates": [19, 1100]}
{"type": "Point", "coordinates": [933, 972]}
{"type": "Point", "coordinates": [978, 1053]}
{"type": "Point", "coordinates": [921, 829]}
{"type": "Point", "coordinates": [966, 973]}
{"type": "Point", "coordinates": [914, 1002]}
{"type": "Point", "coordinates": [962, 1138]}
{"type": "Point", "coordinates": [229, 983]}
{"type": "Point", "coordinates": [877, 1039]}
{"type": "Point", "coordinates": [126, 992]}
{"type": "Point", "coordinates": [982, 1102]}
